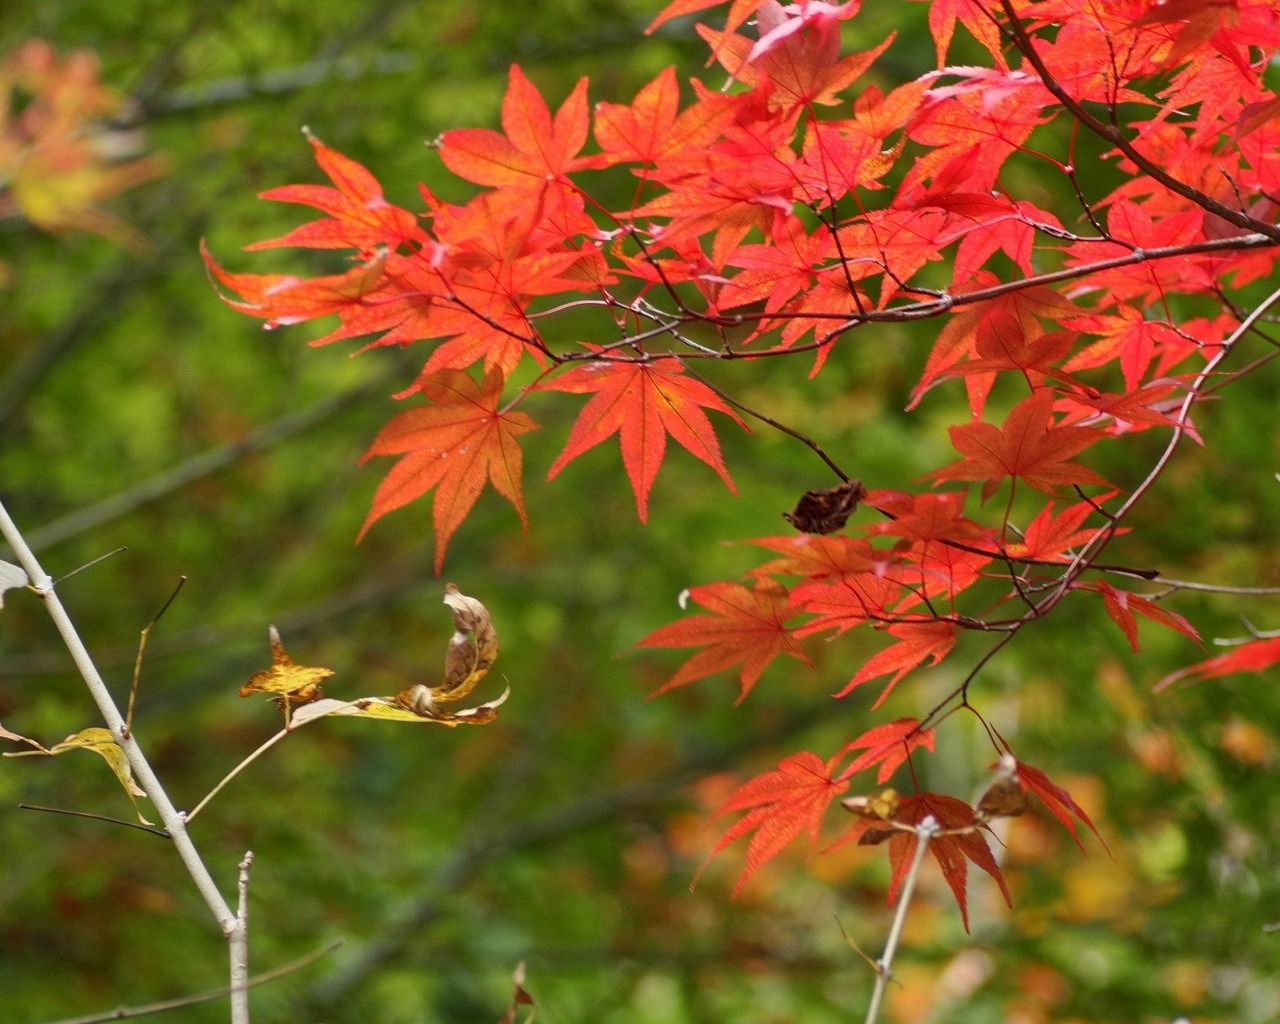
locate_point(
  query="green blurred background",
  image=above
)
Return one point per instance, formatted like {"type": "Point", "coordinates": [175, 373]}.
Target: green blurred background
{"type": "Point", "coordinates": [137, 411]}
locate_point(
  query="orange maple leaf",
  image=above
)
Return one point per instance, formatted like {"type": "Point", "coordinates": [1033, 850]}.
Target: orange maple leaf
{"type": "Point", "coordinates": [536, 148]}
{"type": "Point", "coordinates": [359, 215]}
{"type": "Point", "coordinates": [780, 804]}
{"type": "Point", "coordinates": [745, 626]}
{"type": "Point", "coordinates": [1027, 447]}
{"type": "Point", "coordinates": [454, 444]}
{"type": "Point", "coordinates": [642, 401]}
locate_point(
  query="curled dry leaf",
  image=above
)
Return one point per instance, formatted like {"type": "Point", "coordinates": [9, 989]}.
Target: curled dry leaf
{"type": "Point", "coordinates": [519, 997]}
{"type": "Point", "coordinates": [11, 576]}
{"type": "Point", "coordinates": [102, 743]}
{"type": "Point", "coordinates": [882, 806]}
{"type": "Point", "coordinates": [472, 649]}
{"type": "Point", "coordinates": [390, 708]}
{"type": "Point", "coordinates": [827, 510]}
{"type": "Point", "coordinates": [1005, 797]}
{"type": "Point", "coordinates": [287, 683]}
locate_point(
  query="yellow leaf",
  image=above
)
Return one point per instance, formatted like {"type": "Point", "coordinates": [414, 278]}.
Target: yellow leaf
{"type": "Point", "coordinates": [391, 709]}
{"type": "Point", "coordinates": [102, 743]}
{"type": "Point", "coordinates": [289, 684]}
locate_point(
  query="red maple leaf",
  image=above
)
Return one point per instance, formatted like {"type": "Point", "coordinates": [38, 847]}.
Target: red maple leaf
{"type": "Point", "coordinates": [1254, 656]}
{"type": "Point", "coordinates": [1060, 803]}
{"type": "Point", "coordinates": [1121, 605]}
{"type": "Point", "coordinates": [917, 641]}
{"type": "Point", "coordinates": [745, 627]}
{"type": "Point", "coordinates": [780, 804]}
{"type": "Point", "coordinates": [952, 852]}
{"type": "Point", "coordinates": [1048, 537]}
{"type": "Point", "coordinates": [1027, 447]}
{"type": "Point", "coordinates": [283, 299]}
{"type": "Point", "coordinates": [536, 148]}
{"type": "Point", "coordinates": [653, 126]}
{"type": "Point", "coordinates": [887, 745]}
{"type": "Point", "coordinates": [642, 401]}
{"type": "Point", "coordinates": [454, 444]}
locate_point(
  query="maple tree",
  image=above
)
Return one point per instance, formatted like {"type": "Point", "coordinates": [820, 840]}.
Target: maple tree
{"type": "Point", "coordinates": [787, 216]}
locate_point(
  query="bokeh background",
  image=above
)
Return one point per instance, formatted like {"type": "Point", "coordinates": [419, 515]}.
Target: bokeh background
{"type": "Point", "coordinates": [138, 412]}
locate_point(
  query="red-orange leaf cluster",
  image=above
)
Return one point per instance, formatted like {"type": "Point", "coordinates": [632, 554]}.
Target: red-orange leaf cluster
{"type": "Point", "coordinates": [794, 214]}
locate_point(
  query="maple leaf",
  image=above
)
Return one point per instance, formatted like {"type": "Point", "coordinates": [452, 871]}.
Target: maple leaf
{"type": "Point", "coordinates": [536, 148]}
{"type": "Point", "coordinates": [284, 299]}
{"type": "Point", "coordinates": [1048, 537]}
{"type": "Point", "coordinates": [917, 641]}
{"type": "Point", "coordinates": [653, 126]}
{"type": "Point", "coordinates": [359, 215]}
{"type": "Point", "coordinates": [960, 841]}
{"type": "Point", "coordinates": [887, 745]}
{"type": "Point", "coordinates": [1027, 447]}
{"type": "Point", "coordinates": [1254, 656]}
{"type": "Point", "coordinates": [779, 805]}
{"type": "Point", "coordinates": [1060, 803]}
{"type": "Point", "coordinates": [453, 444]}
{"type": "Point", "coordinates": [745, 626]}
{"type": "Point", "coordinates": [642, 401]}
{"type": "Point", "coordinates": [1121, 606]}
{"type": "Point", "coordinates": [288, 683]}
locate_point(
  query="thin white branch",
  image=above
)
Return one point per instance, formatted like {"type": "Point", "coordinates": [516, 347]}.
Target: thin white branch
{"type": "Point", "coordinates": [173, 820]}
{"type": "Point", "coordinates": [924, 831]}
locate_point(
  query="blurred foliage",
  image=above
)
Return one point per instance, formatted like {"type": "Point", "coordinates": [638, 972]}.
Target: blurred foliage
{"type": "Point", "coordinates": [138, 413]}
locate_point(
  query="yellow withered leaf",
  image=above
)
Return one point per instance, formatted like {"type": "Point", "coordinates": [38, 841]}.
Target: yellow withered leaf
{"type": "Point", "coordinates": [286, 682]}
{"type": "Point", "coordinates": [473, 648]}
{"type": "Point", "coordinates": [394, 710]}
{"type": "Point", "coordinates": [102, 743]}
{"type": "Point", "coordinates": [471, 652]}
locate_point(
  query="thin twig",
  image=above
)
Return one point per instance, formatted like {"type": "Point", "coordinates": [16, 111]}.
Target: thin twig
{"type": "Point", "coordinates": [126, 1012]}
{"type": "Point", "coordinates": [97, 817]}
{"type": "Point", "coordinates": [173, 821]}
{"type": "Point", "coordinates": [142, 647]}
{"type": "Point", "coordinates": [236, 771]}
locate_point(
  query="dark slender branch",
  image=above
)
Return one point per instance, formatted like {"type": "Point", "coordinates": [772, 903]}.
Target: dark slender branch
{"type": "Point", "coordinates": [162, 833]}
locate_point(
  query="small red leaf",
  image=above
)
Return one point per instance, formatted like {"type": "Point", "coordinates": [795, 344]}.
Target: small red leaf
{"type": "Point", "coordinates": [642, 402]}
{"type": "Point", "coordinates": [887, 745]}
{"type": "Point", "coordinates": [1027, 447]}
{"type": "Point", "coordinates": [916, 642]}
{"type": "Point", "coordinates": [1121, 606]}
{"type": "Point", "coordinates": [780, 805]}
{"type": "Point", "coordinates": [1254, 656]}
{"type": "Point", "coordinates": [1058, 800]}
{"type": "Point", "coordinates": [745, 627]}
